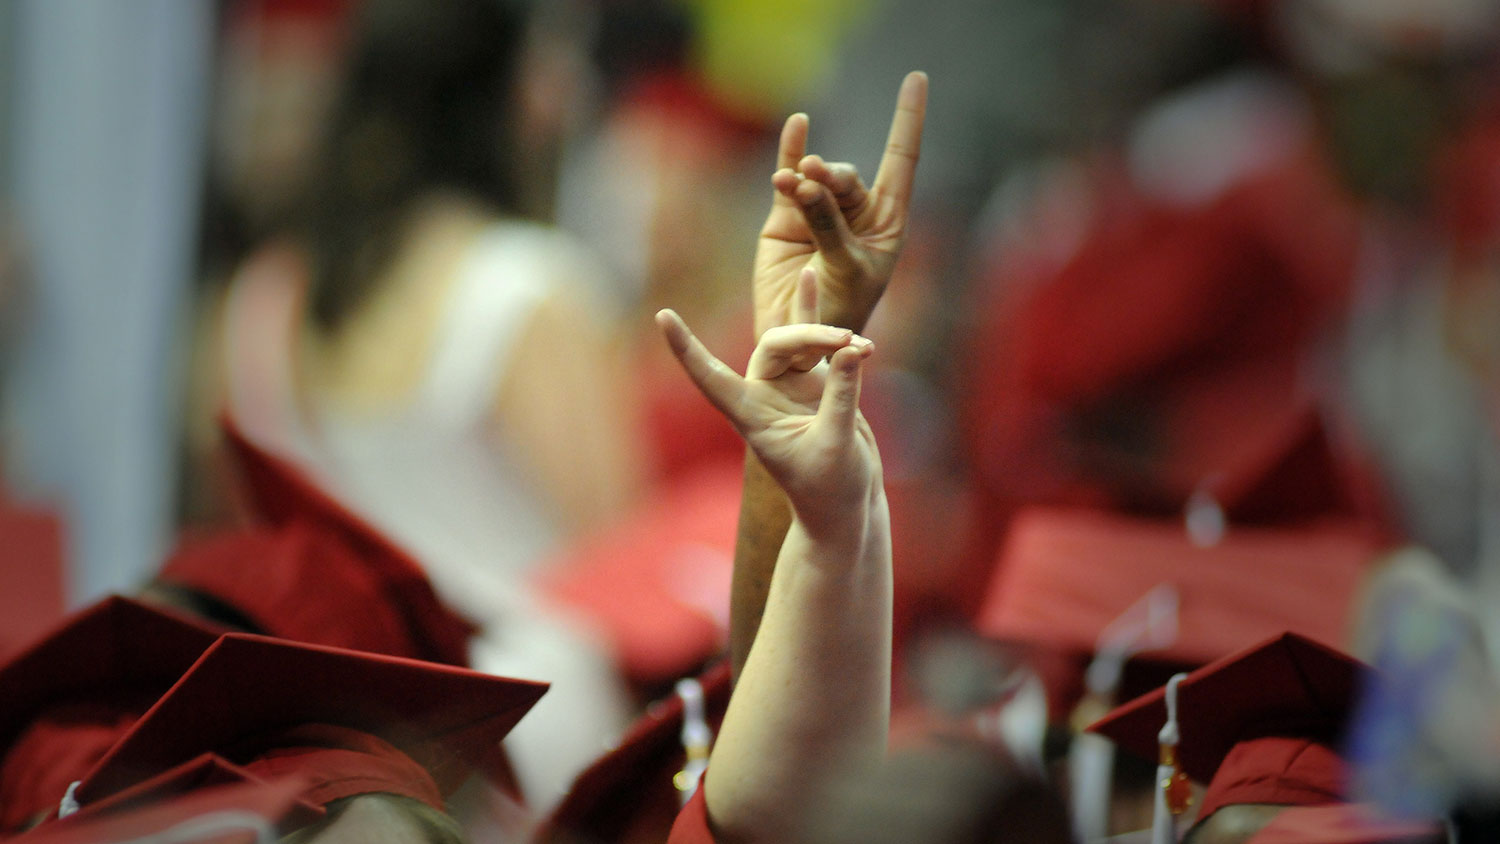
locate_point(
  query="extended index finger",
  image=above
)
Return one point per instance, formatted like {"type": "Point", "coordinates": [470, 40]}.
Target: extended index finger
{"type": "Point", "coordinates": [903, 146]}
{"type": "Point", "coordinates": [721, 385]}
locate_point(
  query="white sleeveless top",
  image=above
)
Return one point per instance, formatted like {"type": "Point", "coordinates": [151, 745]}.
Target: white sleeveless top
{"type": "Point", "coordinates": [436, 477]}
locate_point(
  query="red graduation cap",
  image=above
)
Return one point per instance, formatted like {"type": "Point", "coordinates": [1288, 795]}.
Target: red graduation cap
{"type": "Point", "coordinates": [97, 671]}
{"type": "Point", "coordinates": [1345, 823]}
{"type": "Point", "coordinates": [314, 572]}
{"type": "Point", "coordinates": [1258, 726]}
{"type": "Point", "coordinates": [357, 721]}
{"type": "Point", "coordinates": [1065, 575]}
{"type": "Point", "coordinates": [117, 640]}
{"type": "Point", "coordinates": [628, 793]}
{"type": "Point", "coordinates": [224, 814]}
{"type": "Point", "coordinates": [208, 770]}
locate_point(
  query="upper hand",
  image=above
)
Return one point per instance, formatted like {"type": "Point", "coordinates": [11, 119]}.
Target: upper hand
{"type": "Point", "coordinates": [823, 217]}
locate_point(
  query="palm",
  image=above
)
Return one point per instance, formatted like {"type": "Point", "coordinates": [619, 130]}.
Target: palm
{"type": "Point", "coordinates": [849, 287]}
{"type": "Point", "coordinates": [822, 217]}
{"type": "Point", "coordinates": [811, 459]}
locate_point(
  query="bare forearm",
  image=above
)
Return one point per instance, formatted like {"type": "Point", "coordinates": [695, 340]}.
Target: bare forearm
{"type": "Point", "coordinates": [765, 516]}
{"type": "Point", "coordinates": [814, 695]}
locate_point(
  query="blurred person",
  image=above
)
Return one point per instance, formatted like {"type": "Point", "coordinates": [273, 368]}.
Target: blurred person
{"type": "Point", "coordinates": [400, 344]}
{"type": "Point", "coordinates": [1406, 97]}
{"type": "Point", "coordinates": [276, 75]}
{"type": "Point", "coordinates": [665, 188]}
{"type": "Point", "coordinates": [183, 705]}
{"type": "Point", "coordinates": [1262, 730]}
{"type": "Point", "coordinates": [666, 185]}
{"type": "Point", "coordinates": [1153, 328]}
{"type": "Point", "coordinates": [1172, 311]}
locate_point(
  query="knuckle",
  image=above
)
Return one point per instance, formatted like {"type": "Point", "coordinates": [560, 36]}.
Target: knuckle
{"type": "Point", "coordinates": [902, 150]}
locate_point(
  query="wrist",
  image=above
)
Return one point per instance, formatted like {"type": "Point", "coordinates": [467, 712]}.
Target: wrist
{"type": "Point", "coordinates": [849, 526]}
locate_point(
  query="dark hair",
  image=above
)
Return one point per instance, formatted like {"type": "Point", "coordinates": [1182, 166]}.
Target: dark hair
{"type": "Point", "coordinates": [424, 106]}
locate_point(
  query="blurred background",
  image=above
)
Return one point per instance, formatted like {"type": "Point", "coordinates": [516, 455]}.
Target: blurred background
{"type": "Point", "coordinates": [1225, 270]}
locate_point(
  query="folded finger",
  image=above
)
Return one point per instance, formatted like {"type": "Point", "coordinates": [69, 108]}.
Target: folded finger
{"type": "Point", "coordinates": [825, 220]}
{"type": "Point", "coordinates": [842, 180]}
{"type": "Point", "coordinates": [782, 346]}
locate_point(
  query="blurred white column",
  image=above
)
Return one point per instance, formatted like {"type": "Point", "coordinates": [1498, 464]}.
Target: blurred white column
{"type": "Point", "coordinates": [106, 148]}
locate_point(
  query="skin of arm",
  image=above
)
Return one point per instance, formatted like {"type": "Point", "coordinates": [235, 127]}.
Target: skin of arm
{"type": "Point", "coordinates": [822, 218]}
{"type": "Point", "coordinates": [814, 695]}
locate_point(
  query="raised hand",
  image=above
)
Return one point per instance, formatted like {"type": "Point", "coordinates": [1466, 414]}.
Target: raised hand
{"type": "Point", "coordinates": [798, 412]}
{"type": "Point", "coordinates": [823, 217]}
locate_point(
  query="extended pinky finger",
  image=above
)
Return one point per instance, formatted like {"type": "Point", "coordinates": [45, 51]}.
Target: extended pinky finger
{"type": "Point", "coordinates": [840, 403]}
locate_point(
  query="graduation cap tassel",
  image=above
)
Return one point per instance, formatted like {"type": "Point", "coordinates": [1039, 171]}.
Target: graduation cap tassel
{"type": "Point", "coordinates": [1148, 624]}
{"type": "Point", "coordinates": [69, 803]}
{"type": "Point", "coordinates": [696, 738]}
{"type": "Point", "coordinates": [1173, 794]}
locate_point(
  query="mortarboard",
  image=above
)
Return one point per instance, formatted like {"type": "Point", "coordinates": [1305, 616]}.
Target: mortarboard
{"type": "Point", "coordinates": [1258, 726]}
{"type": "Point", "coordinates": [1065, 575]}
{"type": "Point", "coordinates": [115, 641]}
{"type": "Point", "coordinates": [241, 813]}
{"type": "Point", "coordinates": [97, 671]}
{"type": "Point", "coordinates": [358, 722]}
{"type": "Point", "coordinates": [312, 571]}
{"type": "Point", "coordinates": [1345, 823]}
{"type": "Point", "coordinates": [207, 770]}
{"type": "Point", "coordinates": [629, 792]}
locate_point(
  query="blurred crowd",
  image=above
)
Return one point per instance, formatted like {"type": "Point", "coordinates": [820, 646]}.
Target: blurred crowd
{"type": "Point", "coordinates": [1194, 341]}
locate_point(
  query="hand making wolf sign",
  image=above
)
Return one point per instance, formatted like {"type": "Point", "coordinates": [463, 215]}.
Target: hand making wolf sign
{"type": "Point", "coordinates": [798, 412]}
{"type": "Point", "coordinates": [823, 217]}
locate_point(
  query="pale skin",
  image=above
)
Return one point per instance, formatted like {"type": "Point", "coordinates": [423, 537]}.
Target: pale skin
{"type": "Point", "coordinates": [822, 219]}
{"type": "Point", "coordinates": [563, 415]}
{"type": "Point", "coordinates": [814, 693]}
